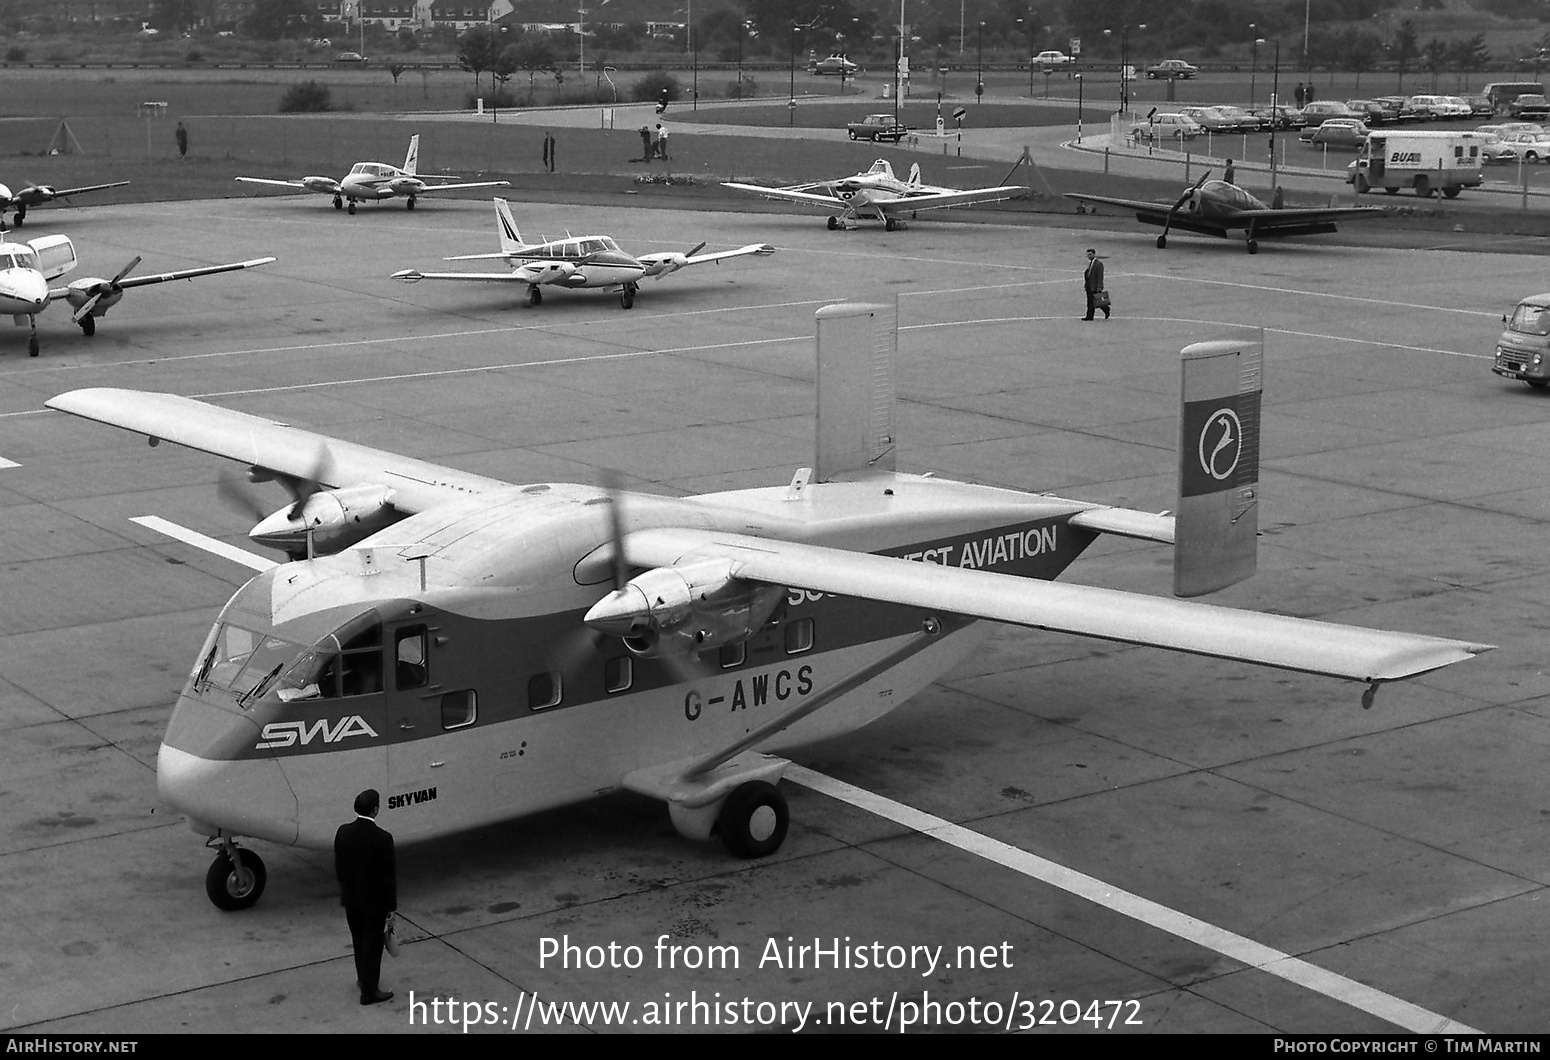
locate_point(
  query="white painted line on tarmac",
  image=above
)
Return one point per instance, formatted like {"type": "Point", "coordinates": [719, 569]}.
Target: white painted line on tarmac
{"type": "Point", "coordinates": [4, 463]}
{"type": "Point", "coordinates": [1244, 950]}
{"type": "Point", "coordinates": [1386, 302]}
{"type": "Point", "coordinates": [208, 544]}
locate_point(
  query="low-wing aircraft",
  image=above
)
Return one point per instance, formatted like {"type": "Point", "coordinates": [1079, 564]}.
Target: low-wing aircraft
{"type": "Point", "coordinates": [879, 195]}
{"type": "Point", "coordinates": [37, 194]}
{"type": "Point", "coordinates": [26, 269]}
{"type": "Point", "coordinates": [370, 181]}
{"type": "Point", "coordinates": [1215, 207]}
{"type": "Point", "coordinates": [478, 650]}
{"type": "Point", "coordinates": [574, 262]}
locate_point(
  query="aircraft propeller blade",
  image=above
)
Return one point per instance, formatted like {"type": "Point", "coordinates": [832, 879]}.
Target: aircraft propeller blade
{"type": "Point", "coordinates": [1182, 200]}
{"type": "Point", "coordinates": [238, 494]}
{"type": "Point", "coordinates": [696, 250]}
{"type": "Point", "coordinates": [303, 488]}
{"type": "Point", "coordinates": [102, 289]}
{"type": "Point", "coordinates": [616, 528]}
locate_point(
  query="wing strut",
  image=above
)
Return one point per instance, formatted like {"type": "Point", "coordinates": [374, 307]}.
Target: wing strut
{"type": "Point", "coordinates": [930, 629]}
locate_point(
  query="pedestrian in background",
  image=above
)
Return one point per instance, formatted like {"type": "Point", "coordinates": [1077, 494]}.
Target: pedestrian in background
{"type": "Point", "coordinates": [1092, 283]}
{"type": "Point", "coordinates": [1229, 173]}
{"type": "Point", "coordinates": [646, 146]}
{"type": "Point", "coordinates": [1299, 96]}
{"type": "Point", "coordinates": [549, 152]}
{"type": "Point", "coordinates": [180, 134]}
{"type": "Point", "coordinates": [662, 142]}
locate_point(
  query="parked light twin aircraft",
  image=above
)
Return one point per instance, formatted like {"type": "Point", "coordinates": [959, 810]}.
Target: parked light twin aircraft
{"type": "Point", "coordinates": [371, 181]}
{"type": "Point", "coordinates": [574, 262]}
{"type": "Point", "coordinates": [37, 194]}
{"type": "Point", "coordinates": [478, 650]}
{"type": "Point", "coordinates": [26, 269]}
{"type": "Point", "coordinates": [879, 195]}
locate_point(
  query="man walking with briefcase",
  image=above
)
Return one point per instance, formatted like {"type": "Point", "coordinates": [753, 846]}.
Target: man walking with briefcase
{"type": "Point", "coordinates": [1092, 282]}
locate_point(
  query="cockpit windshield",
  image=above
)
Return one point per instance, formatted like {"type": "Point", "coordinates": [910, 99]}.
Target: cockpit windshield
{"type": "Point", "coordinates": [15, 257]}
{"type": "Point", "coordinates": [243, 662]}
{"type": "Point", "coordinates": [1530, 319]}
{"type": "Point", "coordinates": [248, 664]}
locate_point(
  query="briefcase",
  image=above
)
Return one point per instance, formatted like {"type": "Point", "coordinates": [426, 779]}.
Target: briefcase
{"type": "Point", "coordinates": [1101, 299]}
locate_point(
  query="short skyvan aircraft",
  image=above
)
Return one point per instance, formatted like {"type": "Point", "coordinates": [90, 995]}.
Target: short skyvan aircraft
{"type": "Point", "coordinates": [370, 181]}
{"type": "Point", "coordinates": [879, 195]}
{"type": "Point", "coordinates": [1215, 208]}
{"type": "Point", "coordinates": [37, 194]}
{"type": "Point", "coordinates": [26, 268]}
{"type": "Point", "coordinates": [478, 650]}
{"type": "Point", "coordinates": [575, 262]}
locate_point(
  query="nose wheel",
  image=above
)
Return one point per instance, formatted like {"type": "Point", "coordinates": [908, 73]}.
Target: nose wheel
{"type": "Point", "coordinates": [32, 338]}
{"type": "Point", "coordinates": [236, 878]}
{"type": "Point", "coordinates": [409, 205]}
{"type": "Point", "coordinates": [338, 202]}
{"type": "Point", "coordinates": [627, 296]}
{"type": "Point", "coordinates": [534, 295]}
{"type": "Point", "coordinates": [351, 208]}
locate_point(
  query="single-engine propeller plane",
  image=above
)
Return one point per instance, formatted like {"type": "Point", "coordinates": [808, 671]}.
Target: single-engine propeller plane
{"type": "Point", "coordinates": [575, 262]}
{"type": "Point", "coordinates": [1215, 208]}
{"type": "Point", "coordinates": [26, 269]}
{"type": "Point", "coordinates": [371, 181]}
{"type": "Point", "coordinates": [37, 194]}
{"type": "Point", "coordinates": [879, 195]}
{"type": "Point", "coordinates": [478, 650]}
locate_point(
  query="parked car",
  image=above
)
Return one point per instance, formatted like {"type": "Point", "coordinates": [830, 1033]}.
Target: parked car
{"type": "Point", "coordinates": [1212, 120]}
{"type": "Point", "coordinates": [1320, 111]}
{"type": "Point", "coordinates": [877, 127]}
{"type": "Point", "coordinates": [1052, 58]}
{"type": "Point", "coordinates": [1172, 69]}
{"type": "Point", "coordinates": [1336, 132]}
{"type": "Point", "coordinates": [1166, 127]}
{"type": "Point", "coordinates": [1528, 146]}
{"type": "Point", "coordinates": [1371, 111]}
{"type": "Point", "coordinates": [349, 57]}
{"type": "Point", "coordinates": [1280, 117]}
{"type": "Point", "coordinates": [834, 64]}
{"type": "Point", "coordinates": [1503, 128]}
{"type": "Point", "coordinates": [1245, 120]}
{"type": "Point", "coordinates": [1529, 106]}
{"type": "Point", "coordinates": [1479, 104]}
{"type": "Point", "coordinates": [1494, 152]}
{"type": "Point", "coordinates": [1395, 107]}
{"type": "Point", "coordinates": [1430, 108]}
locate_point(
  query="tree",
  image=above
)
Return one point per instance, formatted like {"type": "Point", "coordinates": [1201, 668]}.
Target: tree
{"type": "Point", "coordinates": [1469, 56]}
{"type": "Point", "coordinates": [533, 53]}
{"type": "Point", "coordinates": [175, 15]}
{"type": "Point", "coordinates": [274, 19]}
{"type": "Point", "coordinates": [476, 51]}
{"type": "Point", "coordinates": [1358, 52]}
{"type": "Point", "coordinates": [1434, 57]}
{"type": "Point", "coordinates": [1404, 48]}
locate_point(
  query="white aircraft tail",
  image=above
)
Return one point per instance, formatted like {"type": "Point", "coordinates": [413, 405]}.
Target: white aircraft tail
{"type": "Point", "coordinates": [1217, 523]}
{"type": "Point", "coordinates": [856, 347]}
{"type": "Point", "coordinates": [506, 228]}
{"type": "Point", "coordinates": [412, 159]}
{"type": "Point", "coordinates": [915, 175]}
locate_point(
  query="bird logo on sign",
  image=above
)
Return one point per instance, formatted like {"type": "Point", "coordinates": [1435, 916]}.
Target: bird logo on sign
{"type": "Point", "coordinates": [1221, 444]}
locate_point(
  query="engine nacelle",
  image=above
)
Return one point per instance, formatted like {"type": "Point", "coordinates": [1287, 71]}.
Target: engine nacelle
{"type": "Point", "coordinates": [334, 519]}
{"type": "Point", "coordinates": [320, 183]}
{"type": "Point", "coordinates": [688, 608]}
{"type": "Point", "coordinates": [81, 291]}
{"type": "Point", "coordinates": [407, 185]}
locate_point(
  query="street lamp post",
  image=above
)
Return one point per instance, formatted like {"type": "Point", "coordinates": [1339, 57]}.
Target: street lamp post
{"type": "Point", "coordinates": [1275, 112]}
{"type": "Point", "coordinates": [1124, 63]}
{"type": "Point", "coordinates": [791, 107]}
{"type": "Point", "coordinates": [979, 81]}
{"type": "Point", "coordinates": [1253, 66]}
{"type": "Point", "coordinates": [1029, 23]}
{"type": "Point", "coordinates": [1078, 78]}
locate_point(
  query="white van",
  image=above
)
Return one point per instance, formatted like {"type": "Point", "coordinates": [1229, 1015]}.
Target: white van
{"type": "Point", "coordinates": [1429, 162]}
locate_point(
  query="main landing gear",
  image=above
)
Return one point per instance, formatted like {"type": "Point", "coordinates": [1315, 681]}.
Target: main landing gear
{"type": "Point", "coordinates": [236, 877]}
{"type": "Point", "coordinates": [534, 295]}
{"type": "Point", "coordinates": [1162, 242]}
{"type": "Point", "coordinates": [339, 202]}
{"type": "Point", "coordinates": [88, 325]}
{"type": "Point", "coordinates": [351, 208]}
{"type": "Point", "coordinates": [410, 204]}
{"type": "Point", "coordinates": [21, 214]}
{"type": "Point", "coordinates": [753, 820]}
{"type": "Point", "coordinates": [627, 296]}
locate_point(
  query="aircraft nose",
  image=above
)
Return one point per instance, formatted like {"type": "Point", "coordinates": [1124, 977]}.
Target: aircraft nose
{"type": "Point", "coordinates": [203, 770]}
{"type": "Point", "coordinates": [25, 287]}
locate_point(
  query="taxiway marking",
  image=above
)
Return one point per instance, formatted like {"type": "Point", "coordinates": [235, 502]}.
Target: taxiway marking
{"type": "Point", "coordinates": [4, 463]}
{"type": "Point", "coordinates": [208, 544]}
{"type": "Point", "coordinates": [1388, 303]}
{"type": "Point", "coordinates": [1256, 955]}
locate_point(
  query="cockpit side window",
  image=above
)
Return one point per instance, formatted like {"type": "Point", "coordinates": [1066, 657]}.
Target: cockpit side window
{"type": "Point", "coordinates": [410, 669]}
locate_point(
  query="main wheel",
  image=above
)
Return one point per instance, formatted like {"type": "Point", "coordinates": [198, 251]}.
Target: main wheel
{"type": "Point", "coordinates": [1253, 246]}
{"type": "Point", "coordinates": [410, 204]}
{"type": "Point", "coordinates": [338, 203]}
{"type": "Point", "coordinates": [21, 214]}
{"type": "Point", "coordinates": [834, 223]}
{"type": "Point", "coordinates": [534, 295]}
{"type": "Point", "coordinates": [88, 325]}
{"type": "Point", "coordinates": [1162, 242]}
{"type": "Point", "coordinates": [754, 819]}
{"type": "Point", "coordinates": [889, 224]}
{"type": "Point", "coordinates": [231, 888]}
{"type": "Point", "coordinates": [32, 346]}
{"type": "Point", "coordinates": [351, 207]}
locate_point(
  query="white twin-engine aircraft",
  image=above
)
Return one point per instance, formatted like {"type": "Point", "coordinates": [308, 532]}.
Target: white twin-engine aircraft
{"type": "Point", "coordinates": [37, 194]}
{"type": "Point", "coordinates": [27, 268]}
{"type": "Point", "coordinates": [370, 181]}
{"type": "Point", "coordinates": [574, 262]}
{"type": "Point", "coordinates": [478, 650]}
{"type": "Point", "coordinates": [879, 195]}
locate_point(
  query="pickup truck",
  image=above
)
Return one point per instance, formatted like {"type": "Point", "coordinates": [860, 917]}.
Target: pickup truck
{"type": "Point", "coordinates": [877, 127]}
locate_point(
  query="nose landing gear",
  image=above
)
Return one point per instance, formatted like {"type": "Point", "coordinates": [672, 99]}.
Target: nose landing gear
{"type": "Point", "coordinates": [236, 877]}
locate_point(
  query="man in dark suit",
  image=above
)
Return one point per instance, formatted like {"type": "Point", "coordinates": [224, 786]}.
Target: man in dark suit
{"type": "Point", "coordinates": [1092, 281]}
{"type": "Point", "coordinates": [368, 890]}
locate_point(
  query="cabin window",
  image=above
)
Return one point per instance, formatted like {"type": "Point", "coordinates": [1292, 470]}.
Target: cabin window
{"type": "Point", "coordinates": [1458, 151]}
{"type": "Point", "coordinates": [459, 709]}
{"type": "Point", "coordinates": [619, 674]}
{"type": "Point", "coordinates": [732, 655]}
{"type": "Point", "coordinates": [543, 691]}
{"type": "Point", "coordinates": [410, 669]}
{"type": "Point", "coordinates": [799, 636]}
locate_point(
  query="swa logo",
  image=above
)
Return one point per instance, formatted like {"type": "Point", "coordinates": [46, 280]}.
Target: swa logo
{"type": "Point", "coordinates": [290, 733]}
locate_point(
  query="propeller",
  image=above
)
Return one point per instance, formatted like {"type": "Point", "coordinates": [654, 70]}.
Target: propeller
{"type": "Point", "coordinates": [102, 289]}
{"type": "Point", "coordinates": [696, 250]}
{"type": "Point", "coordinates": [237, 493]}
{"type": "Point", "coordinates": [1168, 220]}
{"type": "Point", "coordinates": [301, 488]}
{"type": "Point", "coordinates": [614, 493]}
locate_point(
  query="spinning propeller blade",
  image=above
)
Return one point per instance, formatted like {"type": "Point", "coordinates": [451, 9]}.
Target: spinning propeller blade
{"type": "Point", "coordinates": [102, 289]}
{"type": "Point", "coordinates": [303, 488]}
{"type": "Point", "coordinates": [237, 493]}
{"type": "Point", "coordinates": [1180, 204]}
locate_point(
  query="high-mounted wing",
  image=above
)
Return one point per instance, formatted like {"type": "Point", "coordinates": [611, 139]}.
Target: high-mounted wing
{"type": "Point", "coordinates": [911, 201]}
{"type": "Point", "coordinates": [416, 484]}
{"type": "Point", "coordinates": [790, 195]}
{"type": "Point", "coordinates": [1331, 649]}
